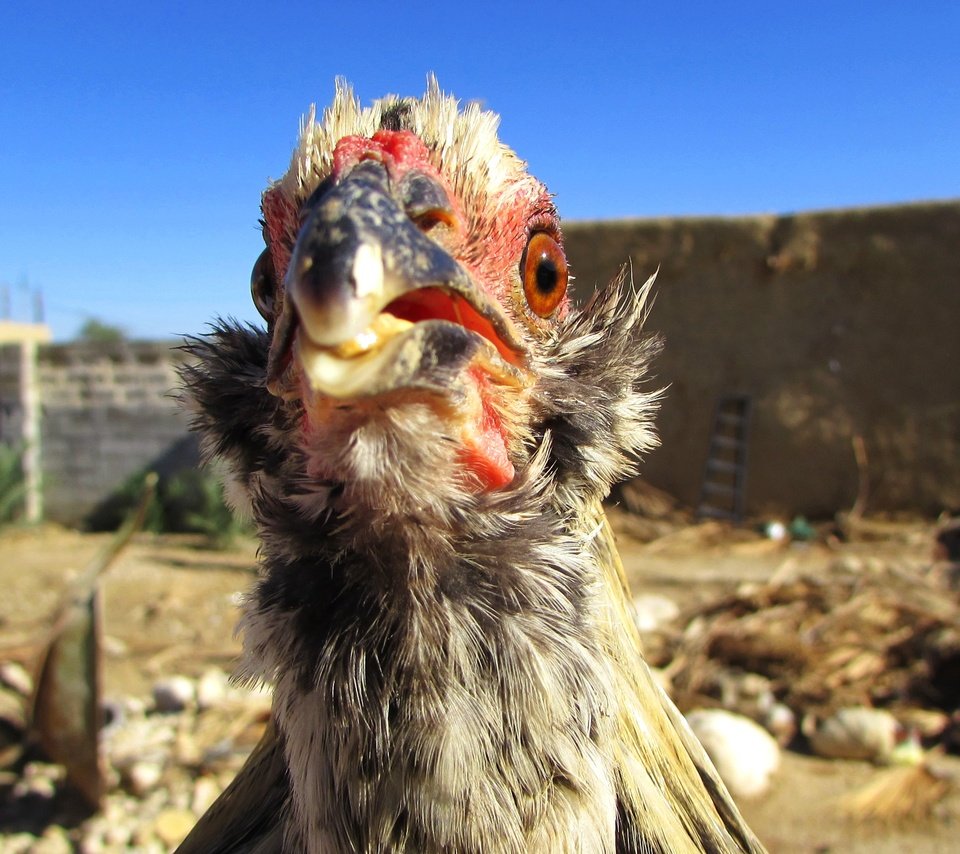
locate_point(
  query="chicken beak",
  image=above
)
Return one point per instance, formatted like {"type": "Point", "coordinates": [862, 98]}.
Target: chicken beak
{"type": "Point", "coordinates": [357, 253]}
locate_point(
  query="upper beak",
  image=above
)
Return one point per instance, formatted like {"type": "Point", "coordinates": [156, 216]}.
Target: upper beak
{"type": "Point", "coordinates": [372, 304]}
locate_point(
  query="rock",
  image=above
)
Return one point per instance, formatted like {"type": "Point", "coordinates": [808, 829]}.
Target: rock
{"type": "Point", "coordinates": [781, 723]}
{"type": "Point", "coordinates": [114, 647]}
{"type": "Point", "coordinates": [53, 841]}
{"type": "Point", "coordinates": [855, 733]}
{"type": "Point", "coordinates": [92, 844]}
{"type": "Point", "coordinates": [748, 694]}
{"type": "Point", "coordinates": [38, 780]}
{"type": "Point", "coordinates": [173, 825]}
{"type": "Point", "coordinates": [15, 676]}
{"type": "Point", "coordinates": [134, 706]}
{"type": "Point", "coordinates": [205, 791]}
{"type": "Point", "coordinates": [187, 752]}
{"type": "Point", "coordinates": [213, 689]}
{"type": "Point", "coordinates": [174, 694]}
{"type": "Point", "coordinates": [139, 740]}
{"type": "Point", "coordinates": [653, 612]}
{"type": "Point", "coordinates": [744, 753]}
{"type": "Point", "coordinates": [776, 531]}
{"type": "Point", "coordinates": [143, 777]}
{"type": "Point", "coordinates": [13, 725]}
{"type": "Point", "coordinates": [18, 843]}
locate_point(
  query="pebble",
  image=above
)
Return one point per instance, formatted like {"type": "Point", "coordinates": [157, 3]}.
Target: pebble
{"type": "Point", "coordinates": [745, 755]}
{"type": "Point", "coordinates": [53, 841]}
{"type": "Point", "coordinates": [114, 647]}
{"type": "Point", "coordinates": [654, 612]}
{"type": "Point", "coordinates": [857, 732]}
{"type": "Point", "coordinates": [205, 791]}
{"type": "Point", "coordinates": [172, 826]}
{"type": "Point", "coordinates": [19, 843]}
{"type": "Point", "coordinates": [173, 694]}
{"type": "Point", "coordinates": [37, 781]}
{"type": "Point", "coordinates": [143, 777]}
{"type": "Point", "coordinates": [139, 739]}
{"type": "Point", "coordinates": [213, 688]}
{"type": "Point", "coordinates": [16, 677]}
{"type": "Point", "coordinates": [187, 751]}
{"type": "Point", "coordinates": [134, 706]}
{"type": "Point", "coordinates": [781, 723]}
{"type": "Point", "coordinates": [153, 796]}
{"type": "Point", "coordinates": [117, 836]}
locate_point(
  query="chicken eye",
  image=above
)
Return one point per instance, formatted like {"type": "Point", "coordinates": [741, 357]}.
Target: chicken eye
{"type": "Point", "coordinates": [425, 201]}
{"type": "Point", "coordinates": [544, 273]}
{"type": "Point", "coordinates": [263, 285]}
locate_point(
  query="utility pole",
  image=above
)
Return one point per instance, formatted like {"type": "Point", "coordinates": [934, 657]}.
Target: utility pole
{"type": "Point", "coordinates": [27, 338]}
{"type": "Point", "coordinates": [32, 461]}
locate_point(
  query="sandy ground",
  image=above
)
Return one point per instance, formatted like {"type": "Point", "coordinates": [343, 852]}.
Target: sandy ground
{"type": "Point", "coordinates": [170, 608]}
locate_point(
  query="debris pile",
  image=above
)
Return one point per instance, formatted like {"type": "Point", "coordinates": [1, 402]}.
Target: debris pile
{"type": "Point", "coordinates": [856, 633]}
{"type": "Point", "coordinates": [847, 658]}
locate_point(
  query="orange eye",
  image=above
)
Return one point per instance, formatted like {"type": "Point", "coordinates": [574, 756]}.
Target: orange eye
{"type": "Point", "coordinates": [544, 272]}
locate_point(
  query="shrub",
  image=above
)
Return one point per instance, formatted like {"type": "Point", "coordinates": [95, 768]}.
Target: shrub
{"type": "Point", "coordinates": [12, 485]}
{"type": "Point", "coordinates": [188, 502]}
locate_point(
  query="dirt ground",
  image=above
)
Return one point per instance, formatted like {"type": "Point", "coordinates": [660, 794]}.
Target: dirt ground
{"type": "Point", "coordinates": [170, 608]}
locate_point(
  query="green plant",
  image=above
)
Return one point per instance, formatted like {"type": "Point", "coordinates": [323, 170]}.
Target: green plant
{"type": "Point", "coordinates": [110, 513]}
{"type": "Point", "coordinates": [98, 332]}
{"type": "Point", "coordinates": [188, 502]}
{"type": "Point", "coordinates": [12, 485]}
{"type": "Point", "coordinates": [194, 503]}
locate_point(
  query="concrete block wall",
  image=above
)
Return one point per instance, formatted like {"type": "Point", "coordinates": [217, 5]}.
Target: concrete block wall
{"type": "Point", "coordinates": [11, 408]}
{"type": "Point", "coordinates": [107, 413]}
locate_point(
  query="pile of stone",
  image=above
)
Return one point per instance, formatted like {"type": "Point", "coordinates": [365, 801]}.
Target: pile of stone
{"type": "Point", "coordinates": [166, 760]}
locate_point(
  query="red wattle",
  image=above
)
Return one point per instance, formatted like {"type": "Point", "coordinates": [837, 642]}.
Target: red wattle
{"type": "Point", "coordinates": [484, 451]}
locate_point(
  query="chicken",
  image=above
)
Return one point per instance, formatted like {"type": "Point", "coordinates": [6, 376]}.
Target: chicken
{"type": "Point", "coordinates": [423, 435]}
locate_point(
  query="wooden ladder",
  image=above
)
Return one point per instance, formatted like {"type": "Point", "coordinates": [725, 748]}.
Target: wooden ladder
{"type": "Point", "coordinates": [725, 473]}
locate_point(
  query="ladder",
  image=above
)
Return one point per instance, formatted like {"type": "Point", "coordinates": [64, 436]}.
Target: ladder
{"type": "Point", "coordinates": [725, 472]}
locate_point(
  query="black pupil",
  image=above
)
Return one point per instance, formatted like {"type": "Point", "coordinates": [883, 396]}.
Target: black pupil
{"type": "Point", "coordinates": [546, 275]}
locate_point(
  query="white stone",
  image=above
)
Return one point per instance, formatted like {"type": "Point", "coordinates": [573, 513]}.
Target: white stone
{"type": "Point", "coordinates": [781, 723]}
{"type": "Point", "coordinates": [16, 677]}
{"type": "Point", "coordinates": [744, 753]}
{"type": "Point", "coordinates": [114, 647]}
{"type": "Point", "coordinates": [19, 843]}
{"type": "Point", "coordinates": [205, 791]}
{"type": "Point", "coordinates": [53, 841]}
{"type": "Point", "coordinates": [653, 611]}
{"type": "Point", "coordinates": [139, 740]}
{"type": "Point", "coordinates": [143, 777]}
{"type": "Point", "coordinates": [776, 531]}
{"type": "Point", "coordinates": [855, 733]}
{"type": "Point", "coordinates": [134, 706]}
{"type": "Point", "coordinates": [213, 688]}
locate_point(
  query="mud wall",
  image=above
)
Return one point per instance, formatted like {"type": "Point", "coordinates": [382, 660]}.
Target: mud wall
{"type": "Point", "coordinates": [835, 324]}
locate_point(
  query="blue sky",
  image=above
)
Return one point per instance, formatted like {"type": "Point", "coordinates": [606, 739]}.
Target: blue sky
{"type": "Point", "coordinates": [135, 139]}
